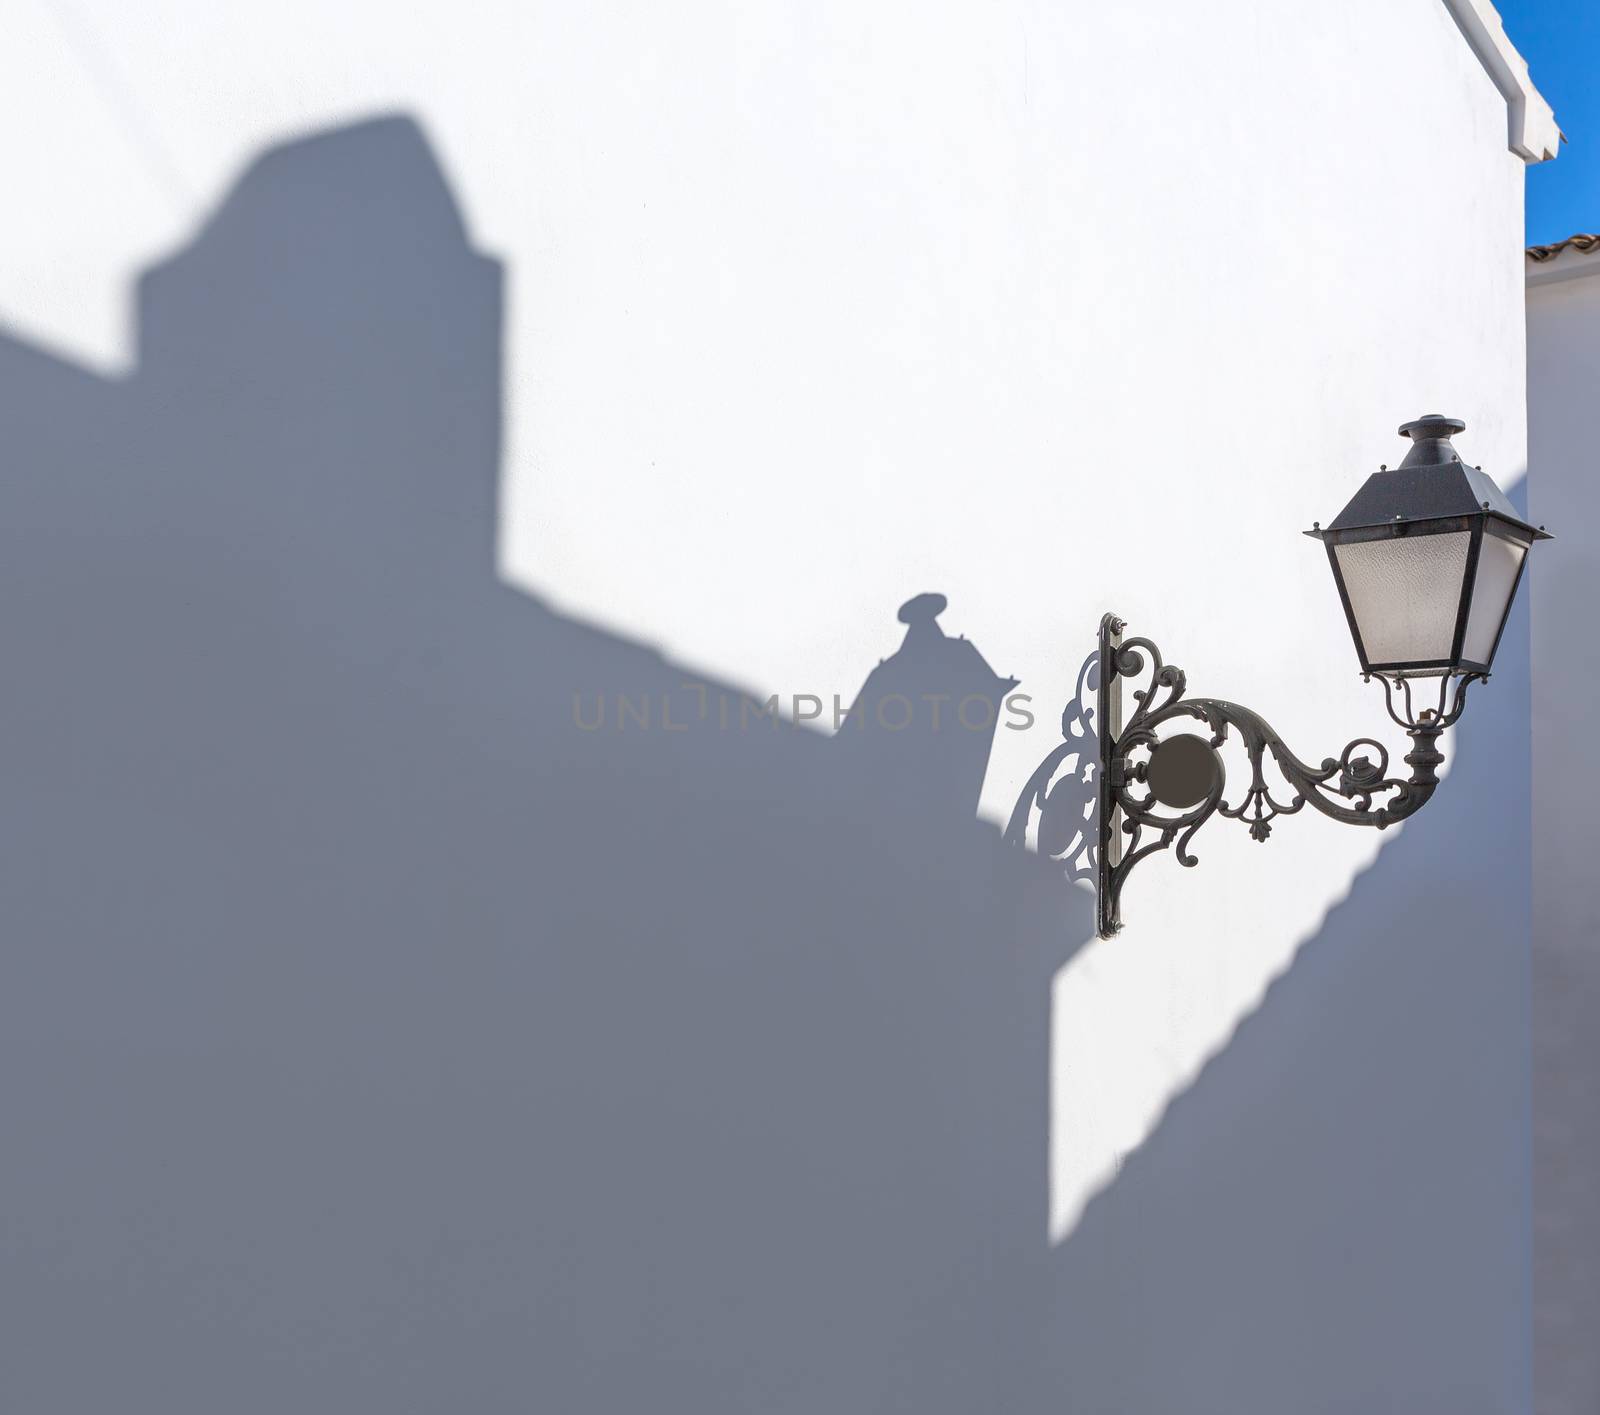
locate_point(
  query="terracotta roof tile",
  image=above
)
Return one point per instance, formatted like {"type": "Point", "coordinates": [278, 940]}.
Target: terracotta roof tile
{"type": "Point", "coordinates": [1578, 243]}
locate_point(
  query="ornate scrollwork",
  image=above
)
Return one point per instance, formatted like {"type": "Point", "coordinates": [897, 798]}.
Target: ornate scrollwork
{"type": "Point", "coordinates": [1354, 787]}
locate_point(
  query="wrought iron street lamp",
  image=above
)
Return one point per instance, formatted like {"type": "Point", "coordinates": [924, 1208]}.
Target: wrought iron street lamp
{"type": "Point", "coordinates": [1427, 559]}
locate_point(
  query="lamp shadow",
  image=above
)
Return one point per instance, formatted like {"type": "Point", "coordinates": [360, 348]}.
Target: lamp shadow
{"type": "Point", "coordinates": [413, 999]}
{"type": "Point", "coordinates": [1058, 812]}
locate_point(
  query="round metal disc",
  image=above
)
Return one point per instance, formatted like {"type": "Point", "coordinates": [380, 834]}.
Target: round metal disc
{"type": "Point", "coordinates": [1182, 770]}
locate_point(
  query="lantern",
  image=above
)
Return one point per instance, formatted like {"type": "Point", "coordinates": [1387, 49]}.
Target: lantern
{"type": "Point", "coordinates": [1427, 559]}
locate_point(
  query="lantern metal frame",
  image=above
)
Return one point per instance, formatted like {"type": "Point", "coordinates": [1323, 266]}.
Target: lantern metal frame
{"type": "Point", "coordinates": [1479, 527]}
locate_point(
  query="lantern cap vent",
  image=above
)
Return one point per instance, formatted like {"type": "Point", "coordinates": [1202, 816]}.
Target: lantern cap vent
{"type": "Point", "coordinates": [1430, 437]}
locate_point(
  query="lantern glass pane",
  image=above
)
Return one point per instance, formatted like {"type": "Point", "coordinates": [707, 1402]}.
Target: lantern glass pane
{"type": "Point", "coordinates": [1498, 564]}
{"type": "Point", "coordinates": [1404, 593]}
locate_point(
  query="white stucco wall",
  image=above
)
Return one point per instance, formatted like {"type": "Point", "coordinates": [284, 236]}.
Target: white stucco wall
{"type": "Point", "coordinates": [1563, 363]}
{"type": "Point", "coordinates": [1050, 308]}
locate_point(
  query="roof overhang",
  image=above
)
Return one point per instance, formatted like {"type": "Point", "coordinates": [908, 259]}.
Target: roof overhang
{"type": "Point", "coordinates": [1531, 130]}
{"type": "Point", "coordinates": [1565, 260]}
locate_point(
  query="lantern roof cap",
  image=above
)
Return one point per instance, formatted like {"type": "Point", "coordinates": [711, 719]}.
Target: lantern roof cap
{"type": "Point", "coordinates": [1431, 484]}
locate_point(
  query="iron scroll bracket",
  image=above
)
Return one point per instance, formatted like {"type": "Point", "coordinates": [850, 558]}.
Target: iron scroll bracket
{"type": "Point", "coordinates": [1156, 790]}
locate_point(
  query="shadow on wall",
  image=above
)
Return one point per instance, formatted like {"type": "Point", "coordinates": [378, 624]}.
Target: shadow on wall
{"type": "Point", "coordinates": [1335, 1216]}
{"type": "Point", "coordinates": [1061, 799]}
{"type": "Point", "coordinates": [413, 1000]}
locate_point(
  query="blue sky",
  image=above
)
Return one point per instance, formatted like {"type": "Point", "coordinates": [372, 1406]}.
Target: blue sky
{"type": "Point", "coordinates": [1560, 39]}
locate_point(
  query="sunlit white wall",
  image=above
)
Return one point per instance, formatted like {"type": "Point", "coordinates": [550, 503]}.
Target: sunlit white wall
{"type": "Point", "coordinates": [1051, 307]}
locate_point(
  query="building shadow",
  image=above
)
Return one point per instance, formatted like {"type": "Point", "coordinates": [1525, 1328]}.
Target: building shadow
{"type": "Point", "coordinates": [412, 999]}
{"type": "Point", "coordinates": [1335, 1215]}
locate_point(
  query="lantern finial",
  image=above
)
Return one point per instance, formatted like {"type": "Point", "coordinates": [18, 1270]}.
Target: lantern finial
{"type": "Point", "coordinates": [1430, 435]}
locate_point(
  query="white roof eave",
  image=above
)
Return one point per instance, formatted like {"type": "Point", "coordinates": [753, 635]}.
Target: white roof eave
{"type": "Point", "coordinates": [1531, 125]}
